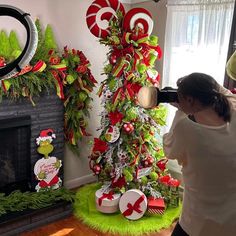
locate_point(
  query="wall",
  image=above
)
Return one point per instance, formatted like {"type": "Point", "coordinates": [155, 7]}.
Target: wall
{"type": "Point", "coordinates": [159, 13]}
{"type": "Point", "coordinates": [68, 21]}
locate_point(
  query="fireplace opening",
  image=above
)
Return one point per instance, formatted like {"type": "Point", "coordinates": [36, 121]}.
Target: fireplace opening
{"type": "Point", "coordinates": [15, 167]}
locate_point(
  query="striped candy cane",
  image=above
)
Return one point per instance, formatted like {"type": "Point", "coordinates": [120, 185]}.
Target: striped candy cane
{"type": "Point", "coordinates": [92, 11]}
{"type": "Point", "coordinates": [138, 17]}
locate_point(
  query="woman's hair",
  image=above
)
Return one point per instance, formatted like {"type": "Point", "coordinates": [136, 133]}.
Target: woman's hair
{"type": "Point", "coordinates": [206, 90]}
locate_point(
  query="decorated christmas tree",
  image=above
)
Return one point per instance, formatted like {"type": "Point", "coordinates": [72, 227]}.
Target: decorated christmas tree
{"type": "Point", "coordinates": [128, 153]}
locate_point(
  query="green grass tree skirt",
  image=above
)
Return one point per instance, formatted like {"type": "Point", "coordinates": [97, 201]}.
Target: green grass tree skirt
{"type": "Point", "coordinates": [85, 209]}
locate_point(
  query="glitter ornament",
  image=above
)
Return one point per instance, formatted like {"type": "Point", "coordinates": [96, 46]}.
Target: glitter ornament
{"type": "Point", "coordinates": [128, 127]}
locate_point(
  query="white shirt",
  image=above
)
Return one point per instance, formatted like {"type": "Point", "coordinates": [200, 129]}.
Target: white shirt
{"type": "Point", "coordinates": [208, 156]}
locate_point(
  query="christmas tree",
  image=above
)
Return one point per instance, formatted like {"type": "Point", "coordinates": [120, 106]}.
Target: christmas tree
{"type": "Point", "coordinates": [128, 153]}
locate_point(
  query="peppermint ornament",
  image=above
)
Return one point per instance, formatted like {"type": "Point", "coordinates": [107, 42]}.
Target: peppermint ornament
{"type": "Point", "coordinates": [128, 127]}
{"type": "Point", "coordinates": [93, 10]}
{"type": "Point", "coordinates": [133, 204]}
{"type": "Point", "coordinates": [112, 134]}
{"type": "Point", "coordinates": [138, 17]}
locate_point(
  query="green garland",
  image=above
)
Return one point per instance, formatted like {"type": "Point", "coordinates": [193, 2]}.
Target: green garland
{"type": "Point", "coordinates": [18, 201]}
{"type": "Point", "coordinates": [68, 72]}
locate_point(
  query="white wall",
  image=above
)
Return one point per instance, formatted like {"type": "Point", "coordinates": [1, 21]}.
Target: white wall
{"type": "Point", "coordinates": [68, 19]}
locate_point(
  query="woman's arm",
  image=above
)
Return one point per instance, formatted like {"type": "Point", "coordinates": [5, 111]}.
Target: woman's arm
{"type": "Point", "coordinates": [173, 144]}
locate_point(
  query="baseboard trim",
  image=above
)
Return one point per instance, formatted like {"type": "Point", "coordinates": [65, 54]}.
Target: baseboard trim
{"type": "Point", "coordinates": [74, 183]}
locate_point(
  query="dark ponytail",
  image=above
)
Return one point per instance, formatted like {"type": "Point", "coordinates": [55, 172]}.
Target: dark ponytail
{"type": "Point", "coordinates": [205, 89]}
{"type": "Point", "coordinates": [221, 106]}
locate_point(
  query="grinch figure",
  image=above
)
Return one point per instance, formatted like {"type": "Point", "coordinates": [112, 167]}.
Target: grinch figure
{"type": "Point", "coordinates": [46, 169]}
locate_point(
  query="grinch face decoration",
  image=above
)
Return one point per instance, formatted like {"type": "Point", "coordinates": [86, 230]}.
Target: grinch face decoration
{"type": "Point", "coordinates": [46, 169]}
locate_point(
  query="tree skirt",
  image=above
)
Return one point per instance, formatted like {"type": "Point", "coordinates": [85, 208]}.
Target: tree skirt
{"type": "Point", "coordinates": [85, 209]}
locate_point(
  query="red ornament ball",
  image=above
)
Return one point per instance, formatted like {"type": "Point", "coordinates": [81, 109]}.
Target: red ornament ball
{"type": "Point", "coordinates": [148, 161]}
{"type": "Point", "coordinates": [128, 127]}
{"type": "Point", "coordinates": [113, 59]}
{"type": "Point", "coordinates": [97, 169]}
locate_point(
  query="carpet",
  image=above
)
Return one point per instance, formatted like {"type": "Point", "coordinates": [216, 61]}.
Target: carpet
{"type": "Point", "coordinates": [85, 210]}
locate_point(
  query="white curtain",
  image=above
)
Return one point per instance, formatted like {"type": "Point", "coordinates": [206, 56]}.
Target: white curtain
{"type": "Point", "coordinates": [196, 40]}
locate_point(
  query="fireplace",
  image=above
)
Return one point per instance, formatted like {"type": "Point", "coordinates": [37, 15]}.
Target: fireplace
{"type": "Point", "coordinates": [20, 125]}
{"type": "Point", "coordinates": [15, 154]}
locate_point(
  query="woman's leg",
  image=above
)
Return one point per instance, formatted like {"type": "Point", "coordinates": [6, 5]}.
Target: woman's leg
{"type": "Point", "coordinates": [178, 231]}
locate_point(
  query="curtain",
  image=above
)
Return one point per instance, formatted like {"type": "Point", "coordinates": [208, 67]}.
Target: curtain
{"type": "Point", "coordinates": [229, 83]}
{"type": "Point", "coordinates": [196, 39]}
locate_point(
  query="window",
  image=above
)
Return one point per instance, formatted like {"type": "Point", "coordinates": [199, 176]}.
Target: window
{"type": "Point", "coordinates": [196, 40]}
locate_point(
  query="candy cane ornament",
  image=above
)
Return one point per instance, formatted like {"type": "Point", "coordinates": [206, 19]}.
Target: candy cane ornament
{"type": "Point", "coordinates": [93, 10]}
{"type": "Point", "coordinates": [138, 17]}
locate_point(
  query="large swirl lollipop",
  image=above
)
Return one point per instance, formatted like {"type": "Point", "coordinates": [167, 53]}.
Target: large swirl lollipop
{"type": "Point", "coordinates": [93, 10]}
{"type": "Point", "coordinates": [138, 17]}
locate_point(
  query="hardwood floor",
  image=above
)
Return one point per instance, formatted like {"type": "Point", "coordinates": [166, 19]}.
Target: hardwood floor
{"type": "Point", "coordinates": [71, 226]}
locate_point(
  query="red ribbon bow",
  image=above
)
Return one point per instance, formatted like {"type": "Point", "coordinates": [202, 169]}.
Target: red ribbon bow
{"type": "Point", "coordinates": [44, 184]}
{"type": "Point", "coordinates": [104, 196]}
{"type": "Point", "coordinates": [135, 207]}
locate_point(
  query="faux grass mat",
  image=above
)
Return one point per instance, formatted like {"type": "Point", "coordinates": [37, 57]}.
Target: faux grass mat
{"type": "Point", "coordinates": [85, 209]}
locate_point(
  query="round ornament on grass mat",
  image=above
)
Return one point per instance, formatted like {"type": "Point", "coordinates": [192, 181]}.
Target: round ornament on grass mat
{"type": "Point", "coordinates": [85, 210]}
{"type": "Point", "coordinates": [133, 204]}
{"type": "Point", "coordinates": [107, 202]}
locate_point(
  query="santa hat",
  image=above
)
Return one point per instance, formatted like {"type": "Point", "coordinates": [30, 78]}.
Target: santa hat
{"type": "Point", "coordinates": [47, 134]}
{"type": "Point", "coordinates": [231, 66]}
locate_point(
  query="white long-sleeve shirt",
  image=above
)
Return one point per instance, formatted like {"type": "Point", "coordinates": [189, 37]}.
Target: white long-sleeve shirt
{"type": "Point", "coordinates": [208, 158]}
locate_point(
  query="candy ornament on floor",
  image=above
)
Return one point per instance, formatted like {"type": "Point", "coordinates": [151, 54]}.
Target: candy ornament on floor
{"type": "Point", "coordinates": [47, 168]}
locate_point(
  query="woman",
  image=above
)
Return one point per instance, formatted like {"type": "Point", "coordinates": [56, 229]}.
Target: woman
{"type": "Point", "coordinates": [203, 140]}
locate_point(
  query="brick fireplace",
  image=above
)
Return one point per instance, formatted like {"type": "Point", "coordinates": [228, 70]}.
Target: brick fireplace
{"type": "Point", "coordinates": [20, 125]}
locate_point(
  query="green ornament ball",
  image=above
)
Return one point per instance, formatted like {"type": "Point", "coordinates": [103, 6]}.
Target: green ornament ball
{"type": "Point", "coordinates": [144, 180]}
{"type": "Point", "coordinates": [153, 176]}
{"type": "Point", "coordinates": [70, 79]}
{"type": "Point", "coordinates": [82, 96]}
{"type": "Point", "coordinates": [128, 177]}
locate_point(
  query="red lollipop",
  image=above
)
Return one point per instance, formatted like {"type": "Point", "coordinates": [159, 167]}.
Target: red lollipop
{"type": "Point", "coordinates": [92, 11]}
{"type": "Point", "coordinates": [138, 17]}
